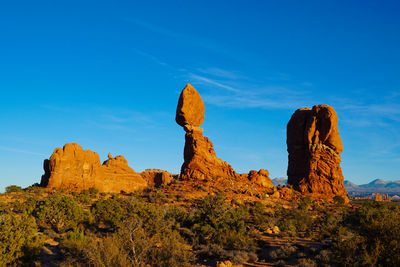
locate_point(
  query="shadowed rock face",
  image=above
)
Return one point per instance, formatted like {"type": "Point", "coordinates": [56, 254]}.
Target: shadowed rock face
{"type": "Point", "coordinates": [314, 147]}
{"type": "Point", "coordinates": [73, 168]}
{"type": "Point", "coordinates": [201, 162]}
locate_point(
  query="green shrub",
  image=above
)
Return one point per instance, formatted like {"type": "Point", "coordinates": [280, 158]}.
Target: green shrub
{"type": "Point", "coordinates": [217, 222]}
{"type": "Point", "coordinates": [19, 242]}
{"type": "Point", "coordinates": [307, 263]}
{"type": "Point", "coordinates": [338, 200]}
{"type": "Point", "coordinates": [372, 232]}
{"type": "Point", "coordinates": [60, 213]}
{"type": "Point", "coordinates": [132, 245]}
{"type": "Point", "coordinates": [86, 196]}
{"type": "Point", "coordinates": [305, 203]}
{"type": "Point", "coordinates": [293, 221]}
{"type": "Point", "coordinates": [108, 212]}
{"type": "Point", "coordinates": [13, 188]}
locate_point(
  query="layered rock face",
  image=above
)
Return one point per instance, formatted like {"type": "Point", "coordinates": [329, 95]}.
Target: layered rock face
{"type": "Point", "coordinates": [201, 161]}
{"type": "Point", "coordinates": [72, 168]}
{"type": "Point", "coordinates": [314, 147]}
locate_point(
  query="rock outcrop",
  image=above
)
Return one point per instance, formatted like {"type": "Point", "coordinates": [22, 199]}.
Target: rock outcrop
{"type": "Point", "coordinates": [378, 197]}
{"type": "Point", "coordinates": [261, 178]}
{"type": "Point", "coordinates": [314, 147]}
{"type": "Point", "coordinates": [200, 159]}
{"type": "Point", "coordinates": [72, 168]}
{"type": "Point", "coordinates": [157, 178]}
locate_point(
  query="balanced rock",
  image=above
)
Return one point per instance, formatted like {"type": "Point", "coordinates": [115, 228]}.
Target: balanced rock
{"type": "Point", "coordinates": [72, 168]}
{"type": "Point", "coordinates": [200, 159]}
{"type": "Point", "coordinates": [314, 147]}
{"type": "Point", "coordinates": [190, 110]}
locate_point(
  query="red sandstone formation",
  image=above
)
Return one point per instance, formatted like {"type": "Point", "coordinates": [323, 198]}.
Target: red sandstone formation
{"type": "Point", "coordinates": [73, 168]}
{"type": "Point", "coordinates": [261, 178]}
{"type": "Point", "coordinates": [201, 162]}
{"type": "Point", "coordinates": [378, 197]}
{"type": "Point", "coordinates": [314, 147]}
{"type": "Point", "coordinates": [157, 178]}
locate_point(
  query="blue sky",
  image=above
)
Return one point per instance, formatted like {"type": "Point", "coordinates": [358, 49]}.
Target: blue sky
{"type": "Point", "coordinates": [107, 75]}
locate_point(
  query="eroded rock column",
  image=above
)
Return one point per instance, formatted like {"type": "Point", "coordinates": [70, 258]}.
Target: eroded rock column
{"type": "Point", "coordinates": [314, 147]}
{"type": "Point", "coordinates": [201, 161]}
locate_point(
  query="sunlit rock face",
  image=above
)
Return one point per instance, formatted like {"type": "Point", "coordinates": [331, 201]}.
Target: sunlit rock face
{"type": "Point", "coordinates": [75, 169]}
{"type": "Point", "coordinates": [200, 159]}
{"type": "Point", "coordinates": [261, 178]}
{"type": "Point", "coordinates": [314, 147]}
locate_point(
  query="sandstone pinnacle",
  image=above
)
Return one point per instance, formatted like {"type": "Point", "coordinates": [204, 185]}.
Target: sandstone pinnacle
{"type": "Point", "coordinates": [314, 147]}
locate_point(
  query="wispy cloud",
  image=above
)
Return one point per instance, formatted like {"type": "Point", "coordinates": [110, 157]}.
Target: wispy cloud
{"type": "Point", "coordinates": [23, 151]}
{"type": "Point", "coordinates": [225, 49]}
{"type": "Point", "coordinates": [222, 73]}
{"type": "Point", "coordinates": [151, 57]}
{"type": "Point", "coordinates": [205, 80]}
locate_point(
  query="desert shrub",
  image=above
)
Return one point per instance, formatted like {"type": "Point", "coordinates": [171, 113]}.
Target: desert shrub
{"type": "Point", "coordinates": [157, 196]}
{"type": "Point", "coordinates": [216, 252]}
{"type": "Point", "coordinates": [329, 223]}
{"type": "Point", "coordinates": [307, 263]}
{"type": "Point", "coordinates": [34, 189]}
{"type": "Point", "coordinates": [338, 200]}
{"type": "Point", "coordinates": [273, 255]}
{"type": "Point", "coordinates": [372, 232]}
{"type": "Point", "coordinates": [13, 188]}
{"type": "Point", "coordinates": [177, 214]}
{"type": "Point", "coordinates": [293, 221]}
{"type": "Point", "coordinates": [280, 263]}
{"type": "Point", "coordinates": [108, 212]}
{"type": "Point", "coordinates": [60, 213]}
{"type": "Point", "coordinates": [259, 217]}
{"type": "Point", "coordinates": [86, 196]}
{"type": "Point", "coordinates": [217, 222]}
{"type": "Point", "coordinates": [305, 203]}
{"type": "Point", "coordinates": [285, 251]}
{"type": "Point", "coordinates": [132, 245]}
{"type": "Point", "coordinates": [4, 207]}
{"type": "Point", "coordinates": [324, 258]}
{"type": "Point", "coordinates": [19, 242]}
{"type": "Point", "coordinates": [29, 205]}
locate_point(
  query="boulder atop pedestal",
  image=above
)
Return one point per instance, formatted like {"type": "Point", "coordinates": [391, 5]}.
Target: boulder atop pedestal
{"type": "Point", "coordinates": [190, 109]}
{"type": "Point", "coordinates": [201, 161]}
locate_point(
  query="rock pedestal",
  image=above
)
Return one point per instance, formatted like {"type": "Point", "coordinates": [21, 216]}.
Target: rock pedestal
{"type": "Point", "coordinates": [201, 161]}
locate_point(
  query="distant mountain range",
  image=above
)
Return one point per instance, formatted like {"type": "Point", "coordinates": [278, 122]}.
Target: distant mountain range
{"type": "Point", "coordinates": [376, 186]}
{"type": "Point", "coordinates": [279, 181]}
